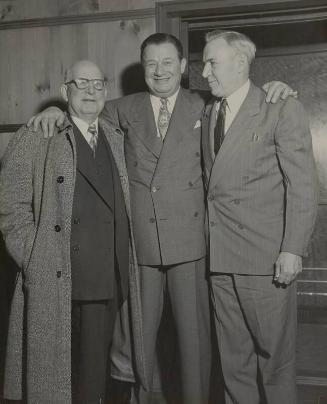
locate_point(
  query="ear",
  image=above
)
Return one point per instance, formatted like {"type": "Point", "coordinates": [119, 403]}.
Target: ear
{"type": "Point", "coordinates": [105, 93]}
{"type": "Point", "coordinates": [183, 65]}
{"type": "Point", "coordinates": [243, 63]}
{"type": "Point", "coordinates": [64, 92]}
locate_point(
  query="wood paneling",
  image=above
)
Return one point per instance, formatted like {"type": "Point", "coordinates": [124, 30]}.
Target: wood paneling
{"type": "Point", "coordinates": [20, 10]}
{"type": "Point", "coordinates": [36, 58]}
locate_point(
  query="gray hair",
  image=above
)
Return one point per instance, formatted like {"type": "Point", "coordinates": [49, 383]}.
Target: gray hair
{"type": "Point", "coordinates": [240, 42]}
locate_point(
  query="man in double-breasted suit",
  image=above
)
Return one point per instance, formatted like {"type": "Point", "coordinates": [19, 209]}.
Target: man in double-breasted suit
{"type": "Point", "coordinates": [65, 218]}
{"type": "Point", "coordinates": [162, 149]}
{"type": "Point", "coordinates": [261, 206]}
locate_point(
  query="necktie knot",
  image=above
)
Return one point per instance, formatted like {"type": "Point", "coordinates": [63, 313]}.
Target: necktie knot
{"type": "Point", "coordinates": [163, 118]}
{"type": "Point", "coordinates": [223, 104]}
{"type": "Point", "coordinates": [94, 137]}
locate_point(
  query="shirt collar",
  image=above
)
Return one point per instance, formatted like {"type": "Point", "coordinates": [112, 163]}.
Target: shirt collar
{"type": "Point", "coordinates": [155, 100]}
{"type": "Point", "coordinates": [82, 125]}
{"type": "Point", "coordinates": [235, 100]}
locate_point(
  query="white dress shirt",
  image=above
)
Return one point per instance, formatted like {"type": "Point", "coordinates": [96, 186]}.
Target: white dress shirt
{"type": "Point", "coordinates": [234, 102]}
{"type": "Point", "coordinates": [156, 104]}
{"type": "Point", "coordinates": [83, 127]}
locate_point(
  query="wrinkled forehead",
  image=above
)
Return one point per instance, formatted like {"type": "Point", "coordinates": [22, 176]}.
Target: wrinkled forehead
{"type": "Point", "coordinates": [85, 70]}
{"type": "Point", "coordinates": [218, 48]}
{"type": "Point", "coordinates": [160, 51]}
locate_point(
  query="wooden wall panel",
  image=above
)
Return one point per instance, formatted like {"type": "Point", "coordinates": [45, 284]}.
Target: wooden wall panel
{"type": "Point", "coordinates": [11, 10]}
{"type": "Point", "coordinates": [36, 58]}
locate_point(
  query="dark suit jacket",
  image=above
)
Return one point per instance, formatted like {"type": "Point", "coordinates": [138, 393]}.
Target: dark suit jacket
{"type": "Point", "coordinates": [99, 235]}
{"type": "Point", "coordinates": [261, 186]}
{"type": "Point", "coordinates": [167, 196]}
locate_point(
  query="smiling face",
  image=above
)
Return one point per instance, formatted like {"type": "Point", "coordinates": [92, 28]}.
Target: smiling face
{"type": "Point", "coordinates": [224, 68]}
{"type": "Point", "coordinates": [87, 103]}
{"type": "Point", "coordinates": [163, 69]}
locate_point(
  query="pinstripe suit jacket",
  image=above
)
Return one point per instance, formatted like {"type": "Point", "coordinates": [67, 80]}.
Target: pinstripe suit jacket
{"type": "Point", "coordinates": [261, 186]}
{"type": "Point", "coordinates": [166, 186]}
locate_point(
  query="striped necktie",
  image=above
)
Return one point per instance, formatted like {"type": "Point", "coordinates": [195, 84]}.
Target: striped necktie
{"type": "Point", "coordinates": [94, 137]}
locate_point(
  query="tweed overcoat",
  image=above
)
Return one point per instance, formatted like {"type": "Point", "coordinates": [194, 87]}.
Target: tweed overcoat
{"type": "Point", "coordinates": [36, 195]}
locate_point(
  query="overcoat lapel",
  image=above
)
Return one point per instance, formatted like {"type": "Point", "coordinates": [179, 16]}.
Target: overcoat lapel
{"type": "Point", "coordinates": [115, 138]}
{"type": "Point", "coordinates": [239, 132]}
{"type": "Point", "coordinates": [143, 123]}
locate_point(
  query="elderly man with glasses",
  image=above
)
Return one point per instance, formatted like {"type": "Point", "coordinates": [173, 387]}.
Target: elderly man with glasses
{"type": "Point", "coordinates": [64, 216]}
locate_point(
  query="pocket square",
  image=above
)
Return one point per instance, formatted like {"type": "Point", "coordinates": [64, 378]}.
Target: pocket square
{"type": "Point", "coordinates": [197, 124]}
{"type": "Point", "coordinates": [255, 137]}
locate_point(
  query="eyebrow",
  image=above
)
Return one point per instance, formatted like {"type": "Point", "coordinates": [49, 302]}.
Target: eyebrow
{"type": "Point", "coordinates": [210, 60]}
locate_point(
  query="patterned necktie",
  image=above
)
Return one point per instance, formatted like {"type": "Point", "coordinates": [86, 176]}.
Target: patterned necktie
{"type": "Point", "coordinates": [219, 133]}
{"type": "Point", "coordinates": [94, 137]}
{"type": "Point", "coordinates": [163, 118]}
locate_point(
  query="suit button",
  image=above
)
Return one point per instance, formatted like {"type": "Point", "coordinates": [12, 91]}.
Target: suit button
{"type": "Point", "coordinates": [60, 179]}
{"type": "Point", "coordinates": [152, 220]}
{"type": "Point", "coordinates": [196, 214]}
{"type": "Point", "coordinates": [77, 220]}
{"type": "Point", "coordinates": [135, 164]}
{"type": "Point", "coordinates": [197, 154]}
{"type": "Point", "coordinates": [240, 226]}
{"type": "Point", "coordinates": [155, 189]}
{"type": "Point", "coordinates": [76, 247]}
{"type": "Point", "coordinates": [211, 197]}
{"type": "Point", "coordinates": [58, 274]}
{"type": "Point", "coordinates": [212, 224]}
{"type": "Point", "coordinates": [237, 201]}
{"type": "Point", "coordinates": [57, 228]}
{"type": "Point", "coordinates": [190, 184]}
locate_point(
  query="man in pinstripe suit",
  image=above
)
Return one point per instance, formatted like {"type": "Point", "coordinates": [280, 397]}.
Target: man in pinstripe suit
{"type": "Point", "coordinates": [261, 206]}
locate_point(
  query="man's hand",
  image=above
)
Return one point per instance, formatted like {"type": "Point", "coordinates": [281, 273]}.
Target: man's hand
{"type": "Point", "coordinates": [278, 90]}
{"type": "Point", "coordinates": [47, 119]}
{"type": "Point", "coordinates": [287, 267]}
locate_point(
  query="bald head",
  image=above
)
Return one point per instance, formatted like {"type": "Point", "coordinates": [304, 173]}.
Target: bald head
{"type": "Point", "coordinates": [82, 66]}
{"type": "Point", "coordinates": [84, 90]}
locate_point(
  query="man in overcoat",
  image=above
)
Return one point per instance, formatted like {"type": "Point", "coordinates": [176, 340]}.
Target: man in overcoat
{"type": "Point", "coordinates": [261, 205]}
{"type": "Point", "coordinates": [65, 218]}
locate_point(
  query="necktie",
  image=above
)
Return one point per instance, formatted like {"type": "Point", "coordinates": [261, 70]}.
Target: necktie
{"type": "Point", "coordinates": [220, 125]}
{"type": "Point", "coordinates": [94, 137]}
{"type": "Point", "coordinates": [163, 118]}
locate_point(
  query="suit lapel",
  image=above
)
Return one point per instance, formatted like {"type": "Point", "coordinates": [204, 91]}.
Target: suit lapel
{"type": "Point", "coordinates": [207, 127]}
{"type": "Point", "coordinates": [87, 168]}
{"type": "Point", "coordinates": [143, 123]}
{"type": "Point", "coordinates": [182, 122]}
{"type": "Point", "coordinates": [243, 123]}
{"type": "Point", "coordinates": [85, 159]}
